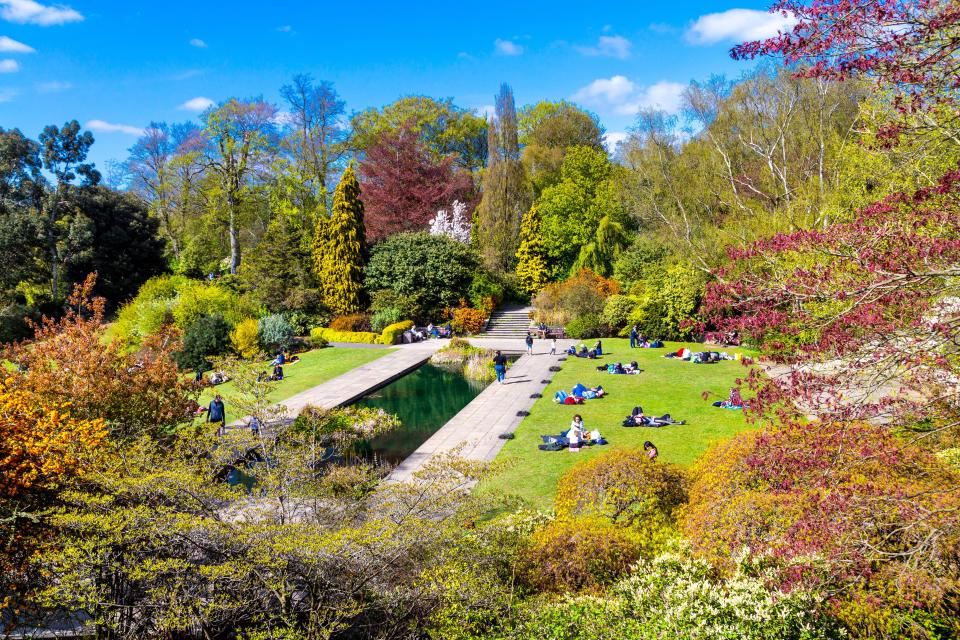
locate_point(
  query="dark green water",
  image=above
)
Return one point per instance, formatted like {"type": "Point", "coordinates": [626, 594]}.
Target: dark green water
{"type": "Point", "coordinates": [424, 400]}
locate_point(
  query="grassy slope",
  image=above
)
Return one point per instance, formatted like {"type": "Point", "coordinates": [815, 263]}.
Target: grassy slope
{"type": "Point", "coordinates": [665, 386]}
{"type": "Point", "coordinates": [315, 367]}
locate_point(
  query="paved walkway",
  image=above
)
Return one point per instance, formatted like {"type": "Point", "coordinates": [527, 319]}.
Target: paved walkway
{"type": "Point", "coordinates": [478, 425]}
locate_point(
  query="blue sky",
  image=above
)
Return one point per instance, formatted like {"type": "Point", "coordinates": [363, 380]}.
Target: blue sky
{"type": "Point", "coordinates": [116, 66]}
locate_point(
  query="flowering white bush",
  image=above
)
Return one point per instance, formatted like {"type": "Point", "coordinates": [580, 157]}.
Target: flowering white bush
{"type": "Point", "coordinates": [676, 596]}
{"type": "Point", "coordinates": [453, 223]}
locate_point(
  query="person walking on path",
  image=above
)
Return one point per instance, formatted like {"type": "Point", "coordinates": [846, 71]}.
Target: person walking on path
{"type": "Point", "coordinates": [500, 366]}
{"type": "Point", "coordinates": [633, 337]}
{"type": "Point", "coordinates": [553, 347]}
{"type": "Point", "coordinates": [216, 414]}
{"type": "Point", "coordinates": [529, 341]}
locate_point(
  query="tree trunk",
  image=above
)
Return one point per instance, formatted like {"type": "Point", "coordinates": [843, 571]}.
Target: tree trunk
{"type": "Point", "coordinates": [234, 238]}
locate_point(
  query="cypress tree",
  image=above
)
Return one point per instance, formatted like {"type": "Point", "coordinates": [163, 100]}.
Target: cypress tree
{"type": "Point", "coordinates": [531, 256]}
{"type": "Point", "coordinates": [339, 248]}
{"type": "Point", "coordinates": [506, 190]}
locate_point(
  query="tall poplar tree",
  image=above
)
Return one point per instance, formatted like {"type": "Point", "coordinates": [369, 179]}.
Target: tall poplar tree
{"type": "Point", "coordinates": [339, 248]}
{"type": "Point", "coordinates": [506, 190]}
{"type": "Point", "coordinates": [531, 256]}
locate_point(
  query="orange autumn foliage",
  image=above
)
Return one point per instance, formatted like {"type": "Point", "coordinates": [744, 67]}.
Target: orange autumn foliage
{"type": "Point", "coordinates": [68, 361]}
{"type": "Point", "coordinates": [40, 444]}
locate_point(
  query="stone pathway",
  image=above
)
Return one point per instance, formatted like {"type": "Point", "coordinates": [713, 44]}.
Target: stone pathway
{"type": "Point", "coordinates": [478, 425]}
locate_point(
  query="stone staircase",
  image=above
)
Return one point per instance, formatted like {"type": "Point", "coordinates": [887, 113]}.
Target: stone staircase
{"type": "Point", "coordinates": [508, 322]}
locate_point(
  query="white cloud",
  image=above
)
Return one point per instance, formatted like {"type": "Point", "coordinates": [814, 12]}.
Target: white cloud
{"type": "Point", "coordinates": [102, 126]}
{"type": "Point", "coordinates": [285, 29]}
{"type": "Point", "coordinates": [613, 138]}
{"type": "Point", "coordinates": [609, 46]}
{"type": "Point", "coordinates": [198, 43]}
{"type": "Point", "coordinates": [283, 118]}
{"type": "Point", "coordinates": [738, 25]}
{"type": "Point", "coordinates": [53, 86]}
{"type": "Point", "coordinates": [621, 96]}
{"type": "Point", "coordinates": [196, 104]}
{"type": "Point", "coordinates": [9, 66]}
{"type": "Point", "coordinates": [32, 12]}
{"type": "Point", "coordinates": [507, 48]}
{"type": "Point", "coordinates": [486, 111]}
{"type": "Point", "coordinates": [9, 45]}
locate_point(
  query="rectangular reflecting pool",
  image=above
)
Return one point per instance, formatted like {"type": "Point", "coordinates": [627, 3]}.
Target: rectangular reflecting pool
{"type": "Point", "coordinates": [424, 400]}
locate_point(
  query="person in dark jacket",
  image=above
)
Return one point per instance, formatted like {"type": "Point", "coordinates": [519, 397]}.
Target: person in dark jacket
{"type": "Point", "coordinates": [500, 366]}
{"type": "Point", "coordinates": [217, 414]}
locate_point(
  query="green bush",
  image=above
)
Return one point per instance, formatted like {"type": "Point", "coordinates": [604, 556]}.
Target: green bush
{"type": "Point", "coordinates": [634, 264]}
{"type": "Point", "coordinates": [181, 301]}
{"type": "Point", "coordinates": [669, 299]}
{"type": "Point", "coordinates": [330, 335]}
{"type": "Point", "coordinates": [588, 326]}
{"type": "Point", "coordinates": [384, 299]}
{"type": "Point", "coordinates": [385, 317]}
{"type": "Point", "coordinates": [391, 333]}
{"type": "Point", "coordinates": [302, 322]}
{"type": "Point", "coordinates": [275, 332]}
{"type": "Point", "coordinates": [208, 336]}
{"type": "Point", "coordinates": [617, 310]}
{"type": "Point", "coordinates": [434, 272]}
{"type": "Point", "coordinates": [483, 288]}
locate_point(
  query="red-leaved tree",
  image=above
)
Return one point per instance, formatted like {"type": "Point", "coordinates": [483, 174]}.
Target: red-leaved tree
{"type": "Point", "coordinates": [403, 186]}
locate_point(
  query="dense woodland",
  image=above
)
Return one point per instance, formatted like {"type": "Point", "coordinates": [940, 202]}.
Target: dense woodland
{"type": "Point", "coordinates": [812, 205]}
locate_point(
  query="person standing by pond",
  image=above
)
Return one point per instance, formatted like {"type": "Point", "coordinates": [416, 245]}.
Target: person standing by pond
{"type": "Point", "coordinates": [529, 341]}
{"type": "Point", "coordinates": [500, 366]}
{"type": "Point", "coordinates": [216, 414]}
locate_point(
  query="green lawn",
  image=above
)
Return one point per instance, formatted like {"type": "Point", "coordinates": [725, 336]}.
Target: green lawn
{"type": "Point", "coordinates": [315, 367]}
{"type": "Point", "coordinates": [665, 386]}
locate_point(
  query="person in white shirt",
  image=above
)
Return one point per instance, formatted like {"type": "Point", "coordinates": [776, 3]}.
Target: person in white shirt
{"type": "Point", "coordinates": [575, 434]}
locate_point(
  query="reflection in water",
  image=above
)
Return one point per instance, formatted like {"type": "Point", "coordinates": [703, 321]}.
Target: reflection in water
{"type": "Point", "coordinates": [424, 401]}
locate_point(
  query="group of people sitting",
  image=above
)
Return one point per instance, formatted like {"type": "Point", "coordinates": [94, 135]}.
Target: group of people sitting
{"type": "Point", "coordinates": [418, 334]}
{"type": "Point", "coordinates": [578, 394]}
{"type": "Point", "coordinates": [621, 369]}
{"type": "Point", "coordinates": [638, 419]}
{"type": "Point", "coordinates": [573, 438]}
{"type": "Point", "coordinates": [586, 353]}
{"type": "Point", "coordinates": [733, 401]}
{"type": "Point", "coordinates": [702, 357]}
{"type": "Point", "coordinates": [638, 340]}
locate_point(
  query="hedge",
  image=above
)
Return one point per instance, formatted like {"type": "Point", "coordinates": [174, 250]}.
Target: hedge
{"type": "Point", "coordinates": [362, 337]}
{"type": "Point", "coordinates": [392, 332]}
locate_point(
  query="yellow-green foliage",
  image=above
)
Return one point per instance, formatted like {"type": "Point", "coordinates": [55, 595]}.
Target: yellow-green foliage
{"type": "Point", "coordinates": [571, 554]}
{"type": "Point", "coordinates": [361, 337]}
{"type": "Point", "coordinates": [179, 300]}
{"type": "Point", "coordinates": [626, 488]}
{"type": "Point", "coordinates": [669, 299]}
{"type": "Point", "coordinates": [391, 333]}
{"type": "Point", "coordinates": [531, 256]}
{"type": "Point", "coordinates": [338, 248]}
{"type": "Point", "coordinates": [244, 338]}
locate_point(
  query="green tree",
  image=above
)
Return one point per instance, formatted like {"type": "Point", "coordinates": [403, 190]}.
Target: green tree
{"type": "Point", "coordinates": [531, 258]}
{"type": "Point", "coordinates": [121, 243]}
{"type": "Point", "coordinates": [547, 130]}
{"type": "Point", "coordinates": [600, 254]}
{"type": "Point", "coordinates": [444, 128]}
{"type": "Point", "coordinates": [278, 274]}
{"type": "Point", "coordinates": [242, 136]}
{"type": "Point", "coordinates": [63, 151]}
{"type": "Point", "coordinates": [339, 248]}
{"type": "Point", "coordinates": [573, 209]}
{"type": "Point", "coordinates": [506, 190]}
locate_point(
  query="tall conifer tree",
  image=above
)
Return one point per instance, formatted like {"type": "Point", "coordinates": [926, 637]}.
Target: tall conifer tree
{"type": "Point", "coordinates": [506, 190]}
{"type": "Point", "coordinates": [531, 256]}
{"type": "Point", "coordinates": [339, 248]}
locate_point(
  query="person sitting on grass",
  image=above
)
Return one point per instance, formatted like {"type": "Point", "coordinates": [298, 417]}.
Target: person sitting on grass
{"type": "Point", "coordinates": [651, 450]}
{"type": "Point", "coordinates": [576, 432]}
{"type": "Point", "coordinates": [277, 373]}
{"type": "Point", "coordinates": [733, 401]}
{"type": "Point", "coordinates": [598, 349]}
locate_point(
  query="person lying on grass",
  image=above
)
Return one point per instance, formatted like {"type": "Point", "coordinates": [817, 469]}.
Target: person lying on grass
{"type": "Point", "coordinates": [638, 419]}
